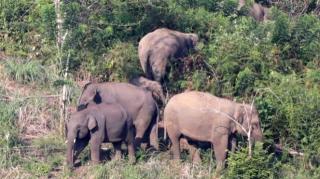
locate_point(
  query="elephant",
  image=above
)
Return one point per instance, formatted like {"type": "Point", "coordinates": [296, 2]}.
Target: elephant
{"type": "Point", "coordinates": [137, 102]}
{"type": "Point", "coordinates": [257, 11]}
{"type": "Point", "coordinates": [153, 86]}
{"type": "Point", "coordinates": [99, 123]}
{"type": "Point", "coordinates": [202, 117]}
{"type": "Point", "coordinates": [161, 45]}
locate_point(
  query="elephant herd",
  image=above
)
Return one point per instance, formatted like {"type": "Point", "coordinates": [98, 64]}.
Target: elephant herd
{"type": "Point", "coordinates": [117, 112]}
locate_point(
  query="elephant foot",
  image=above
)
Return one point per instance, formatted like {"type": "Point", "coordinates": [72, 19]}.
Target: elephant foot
{"type": "Point", "coordinates": [132, 160]}
{"type": "Point", "coordinates": [196, 157]}
{"type": "Point", "coordinates": [95, 162]}
{"type": "Point", "coordinates": [137, 142]}
{"type": "Point", "coordinates": [219, 168]}
{"type": "Point", "coordinates": [175, 162]}
{"type": "Point", "coordinates": [117, 157]}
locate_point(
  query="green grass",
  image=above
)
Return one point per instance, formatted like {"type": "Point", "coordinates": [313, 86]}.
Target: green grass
{"type": "Point", "coordinates": [25, 71]}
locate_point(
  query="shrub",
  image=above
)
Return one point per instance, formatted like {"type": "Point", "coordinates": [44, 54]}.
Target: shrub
{"type": "Point", "coordinates": [244, 47]}
{"type": "Point", "coordinates": [245, 82]}
{"type": "Point", "coordinates": [120, 63]}
{"type": "Point", "coordinates": [261, 164]}
{"type": "Point", "coordinates": [290, 110]}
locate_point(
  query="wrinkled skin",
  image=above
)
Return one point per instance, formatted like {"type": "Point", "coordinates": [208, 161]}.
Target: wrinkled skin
{"type": "Point", "coordinates": [257, 11]}
{"type": "Point", "coordinates": [97, 124]}
{"type": "Point", "coordinates": [137, 102]}
{"type": "Point", "coordinates": [161, 45]}
{"type": "Point", "coordinates": [194, 115]}
{"type": "Point", "coordinates": [153, 86]}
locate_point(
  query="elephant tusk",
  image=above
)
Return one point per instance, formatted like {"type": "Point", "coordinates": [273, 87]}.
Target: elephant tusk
{"type": "Point", "coordinates": [74, 141]}
{"type": "Point", "coordinates": [66, 141]}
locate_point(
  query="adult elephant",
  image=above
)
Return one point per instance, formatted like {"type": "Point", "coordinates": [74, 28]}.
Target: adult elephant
{"type": "Point", "coordinates": [203, 117]}
{"type": "Point", "coordinates": [257, 10]}
{"type": "Point", "coordinates": [138, 103]}
{"type": "Point", "coordinates": [157, 47]}
{"type": "Point", "coordinates": [97, 124]}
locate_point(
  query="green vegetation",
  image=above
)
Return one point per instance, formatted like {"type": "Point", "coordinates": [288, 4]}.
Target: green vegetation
{"type": "Point", "coordinates": [275, 63]}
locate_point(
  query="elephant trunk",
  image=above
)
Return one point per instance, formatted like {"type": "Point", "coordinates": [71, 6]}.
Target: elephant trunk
{"type": "Point", "coordinates": [257, 136]}
{"type": "Point", "coordinates": [70, 153]}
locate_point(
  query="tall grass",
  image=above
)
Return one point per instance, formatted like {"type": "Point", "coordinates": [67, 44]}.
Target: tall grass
{"type": "Point", "coordinates": [25, 71]}
{"type": "Point", "coordinates": [8, 132]}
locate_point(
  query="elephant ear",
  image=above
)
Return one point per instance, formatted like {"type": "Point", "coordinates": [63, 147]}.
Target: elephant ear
{"type": "Point", "coordinates": [97, 97]}
{"type": "Point", "coordinates": [92, 123]}
{"type": "Point", "coordinates": [239, 113]}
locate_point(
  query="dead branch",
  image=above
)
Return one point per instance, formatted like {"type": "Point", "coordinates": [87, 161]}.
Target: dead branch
{"type": "Point", "coordinates": [290, 151]}
{"type": "Point", "coordinates": [10, 98]}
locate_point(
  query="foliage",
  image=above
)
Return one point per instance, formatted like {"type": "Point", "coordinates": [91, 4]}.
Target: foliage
{"type": "Point", "coordinates": [120, 63]}
{"type": "Point", "coordinates": [25, 71]}
{"type": "Point", "coordinates": [289, 108]}
{"type": "Point", "coordinates": [260, 165]}
{"type": "Point", "coordinates": [9, 133]}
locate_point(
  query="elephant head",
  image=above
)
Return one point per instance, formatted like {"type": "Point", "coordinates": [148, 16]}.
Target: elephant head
{"type": "Point", "coordinates": [89, 93]}
{"type": "Point", "coordinates": [193, 40]}
{"type": "Point", "coordinates": [78, 134]}
{"type": "Point", "coordinates": [247, 116]}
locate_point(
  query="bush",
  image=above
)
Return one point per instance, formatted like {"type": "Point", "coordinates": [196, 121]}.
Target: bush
{"type": "Point", "coordinates": [240, 49]}
{"type": "Point", "coordinates": [120, 63]}
{"type": "Point", "coordinates": [290, 110]}
{"type": "Point", "coordinates": [245, 82]}
{"type": "Point", "coordinates": [261, 165]}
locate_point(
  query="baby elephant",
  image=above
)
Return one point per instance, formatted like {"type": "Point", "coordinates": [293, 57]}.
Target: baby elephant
{"type": "Point", "coordinates": [97, 124]}
{"type": "Point", "coordinates": [203, 117]}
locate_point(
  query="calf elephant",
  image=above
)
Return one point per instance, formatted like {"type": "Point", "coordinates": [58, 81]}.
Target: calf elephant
{"type": "Point", "coordinates": [97, 124]}
{"type": "Point", "coordinates": [203, 117]}
{"type": "Point", "coordinates": [157, 47]}
{"type": "Point", "coordinates": [137, 102]}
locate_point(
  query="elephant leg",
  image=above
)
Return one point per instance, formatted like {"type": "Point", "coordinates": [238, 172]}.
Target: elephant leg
{"type": "Point", "coordinates": [220, 151]}
{"type": "Point", "coordinates": [142, 123]}
{"type": "Point", "coordinates": [131, 147]}
{"type": "Point", "coordinates": [195, 154]}
{"type": "Point", "coordinates": [193, 151]}
{"type": "Point", "coordinates": [95, 145]}
{"type": "Point", "coordinates": [233, 143]}
{"type": "Point", "coordinates": [80, 145]}
{"type": "Point", "coordinates": [159, 68]}
{"type": "Point", "coordinates": [117, 148]}
{"type": "Point", "coordinates": [154, 138]}
{"type": "Point", "coordinates": [174, 136]}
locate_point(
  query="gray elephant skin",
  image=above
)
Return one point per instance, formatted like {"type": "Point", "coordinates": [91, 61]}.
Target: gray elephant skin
{"type": "Point", "coordinates": [97, 124]}
{"type": "Point", "coordinates": [153, 86]}
{"type": "Point", "coordinates": [200, 116]}
{"type": "Point", "coordinates": [137, 102]}
{"type": "Point", "coordinates": [257, 11]}
{"type": "Point", "coordinates": [161, 45]}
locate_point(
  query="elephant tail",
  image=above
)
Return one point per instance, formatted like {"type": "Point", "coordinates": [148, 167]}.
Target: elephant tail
{"type": "Point", "coordinates": [147, 66]}
{"type": "Point", "coordinates": [157, 120]}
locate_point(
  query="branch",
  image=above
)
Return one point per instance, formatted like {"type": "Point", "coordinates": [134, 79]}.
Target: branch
{"type": "Point", "coordinates": [293, 152]}
{"type": "Point", "coordinates": [10, 98]}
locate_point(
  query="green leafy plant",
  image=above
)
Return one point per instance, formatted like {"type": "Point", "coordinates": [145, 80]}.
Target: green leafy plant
{"type": "Point", "coordinates": [25, 71]}
{"type": "Point", "coordinates": [260, 165]}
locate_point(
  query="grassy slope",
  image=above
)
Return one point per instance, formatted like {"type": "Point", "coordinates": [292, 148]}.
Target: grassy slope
{"type": "Point", "coordinates": [39, 150]}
